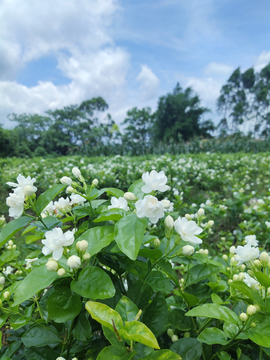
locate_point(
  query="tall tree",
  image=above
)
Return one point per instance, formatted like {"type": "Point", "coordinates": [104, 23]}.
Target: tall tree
{"type": "Point", "coordinates": [245, 98]}
{"type": "Point", "coordinates": [179, 115]}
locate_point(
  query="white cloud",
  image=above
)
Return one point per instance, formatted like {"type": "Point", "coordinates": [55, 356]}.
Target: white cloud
{"type": "Point", "coordinates": [149, 83]}
{"type": "Point", "coordinates": [218, 69]}
{"type": "Point", "coordinates": [77, 34]}
{"type": "Point", "coordinates": [262, 60]}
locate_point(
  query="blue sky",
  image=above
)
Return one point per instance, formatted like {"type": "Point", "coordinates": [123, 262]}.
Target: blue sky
{"type": "Point", "coordinates": [130, 52]}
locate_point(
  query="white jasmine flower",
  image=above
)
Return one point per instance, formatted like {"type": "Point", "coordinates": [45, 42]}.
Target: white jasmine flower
{"type": "Point", "coordinates": [55, 240]}
{"type": "Point", "coordinates": [119, 203]}
{"type": "Point", "coordinates": [250, 281]}
{"type": "Point", "coordinates": [8, 270]}
{"type": "Point", "coordinates": [187, 230]}
{"type": "Point", "coordinates": [150, 207]}
{"type": "Point", "coordinates": [154, 181]}
{"type": "Point", "coordinates": [24, 187]}
{"type": "Point", "coordinates": [267, 223]}
{"type": "Point", "coordinates": [251, 240]}
{"type": "Point", "coordinates": [48, 210]}
{"type": "Point", "coordinates": [76, 172]}
{"type": "Point", "coordinates": [62, 205]}
{"type": "Point", "coordinates": [29, 262]}
{"type": "Point", "coordinates": [77, 199]}
{"type": "Point", "coordinates": [74, 262]}
{"type": "Point", "coordinates": [16, 205]}
{"type": "Point", "coordinates": [246, 253]}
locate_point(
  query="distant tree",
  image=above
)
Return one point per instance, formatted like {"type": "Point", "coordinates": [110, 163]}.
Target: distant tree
{"type": "Point", "coordinates": [179, 115]}
{"type": "Point", "coordinates": [244, 98]}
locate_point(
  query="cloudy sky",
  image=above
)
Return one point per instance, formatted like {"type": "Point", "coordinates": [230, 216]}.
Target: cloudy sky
{"type": "Point", "coordinates": [130, 52]}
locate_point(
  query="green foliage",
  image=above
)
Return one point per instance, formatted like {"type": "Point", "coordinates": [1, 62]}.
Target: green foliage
{"type": "Point", "coordinates": [178, 116]}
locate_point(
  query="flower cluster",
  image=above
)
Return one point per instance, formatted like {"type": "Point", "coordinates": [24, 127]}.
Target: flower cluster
{"type": "Point", "coordinates": [24, 188]}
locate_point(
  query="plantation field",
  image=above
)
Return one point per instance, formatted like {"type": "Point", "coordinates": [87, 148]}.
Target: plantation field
{"type": "Point", "coordinates": [234, 189]}
{"type": "Point", "coordinates": [135, 258]}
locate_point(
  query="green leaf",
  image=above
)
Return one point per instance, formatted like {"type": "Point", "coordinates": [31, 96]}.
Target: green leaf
{"type": "Point", "coordinates": [113, 214]}
{"type": "Point", "coordinates": [115, 192]}
{"type": "Point", "coordinates": [41, 335]}
{"type": "Point", "coordinates": [115, 353]}
{"type": "Point", "coordinates": [178, 319]}
{"type": "Point", "coordinates": [162, 355]}
{"type": "Point", "coordinates": [8, 256]}
{"type": "Point", "coordinates": [129, 233]}
{"type": "Point", "coordinates": [62, 305]}
{"type": "Point", "coordinates": [19, 322]}
{"type": "Point", "coordinates": [50, 223]}
{"type": "Point", "coordinates": [28, 229]}
{"type": "Point", "coordinates": [155, 314]}
{"type": "Point", "coordinates": [45, 198]}
{"type": "Point", "coordinates": [135, 188]}
{"type": "Point", "coordinates": [31, 238]}
{"type": "Point", "coordinates": [38, 279]}
{"type": "Point", "coordinates": [216, 299]}
{"type": "Point", "coordinates": [187, 348]}
{"type": "Point", "coordinates": [224, 356]}
{"type": "Point", "coordinates": [104, 315]}
{"type": "Point", "coordinates": [97, 238]}
{"type": "Point", "coordinates": [111, 336]}
{"type": "Point", "coordinates": [93, 283]}
{"type": "Point", "coordinates": [127, 309]}
{"type": "Point", "coordinates": [154, 254]}
{"type": "Point", "coordinates": [212, 336]}
{"type": "Point", "coordinates": [192, 300]}
{"type": "Point", "coordinates": [261, 333]}
{"type": "Point", "coordinates": [12, 228]}
{"type": "Point", "coordinates": [231, 330]}
{"type": "Point", "coordinates": [215, 311]}
{"type": "Point", "coordinates": [139, 332]}
{"type": "Point", "coordinates": [249, 292]}
{"type": "Point", "coordinates": [159, 282]}
{"type": "Point", "coordinates": [43, 353]}
{"type": "Point", "coordinates": [82, 330]}
{"type": "Point", "coordinates": [201, 272]}
{"type": "Point", "coordinates": [263, 279]}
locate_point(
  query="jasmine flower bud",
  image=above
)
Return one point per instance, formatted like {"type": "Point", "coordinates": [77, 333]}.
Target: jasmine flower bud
{"type": "Point", "coordinates": [65, 180]}
{"type": "Point", "coordinates": [129, 196]}
{"type": "Point", "coordinates": [188, 250]}
{"type": "Point", "coordinates": [52, 265]}
{"type": "Point", "coordinates": [77, 173]}
{"type": "Point", "coordinates": [82, 245]}
{"type": "Point", "coordinates": [95, 182]}
{"type": "Point", "coordinates": [6, 295]}
{"type": "Point", "coordinates": [251, 310]}
{"type": "Point", "coordinates": [86, 256]}
{"type": "Point", "coordinates": [2, 280]}
{"type": "Point", "coordinates": [169, 223]}
{"type": "Point", "coordinates": [243, 316]}
{"type": "Point", "coordinates": [74, 262]}
{"type": "Point", "coordinates": [61, 272]}
{"type": "Point", "coordinates": [264, 257]}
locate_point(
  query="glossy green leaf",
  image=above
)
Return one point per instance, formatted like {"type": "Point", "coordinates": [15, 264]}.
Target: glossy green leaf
{"type": "Point", "coordinates": [212, 336]}
{"type": "Point", "coordinates": [216, 299]}
{"type": "Point", "coordinates": [43, 353]}
{"type": "Point", "coordinates": [19, 322]}
{"type": "Point", "coordinates": [139, 332]}
{"type": "Point", "coordinates": [201, 272]}
{"type": "Point", "coordinates": [223, 355]}
{"type": "Point", "coordinates": [127, 309]}
{"type": "Point", "coordinates": [111, 336]}
{"type": "Point", "coordinates": [261, 333]}
{"type": "Point", "coordinates": [104, 315]}
{"type": "Point", "coordinates": [136, 187]}
{"type": "Point", "coordinates": [263, 279]}
{"type": "Point", "coordinates": [82, 329]}
{"type": "Point", "coordinates": [248, 291]}
{"type": "Point", "coordinates": [113, 214]}
{"type": "Point", "coordinates": [159, 282]}
{"type": "Point", "coordinates": [154, 254]}
{"type": "Point", "coordinates": [93, 283]}
{"type": "Point", "coordinates": [129, 233]}
{"type": "Point", "coordinates": [62, 305]}
{"type": "Point", "coordinates": [45, 198]}
{"type": "Point", "coordinates": [38, 279]}
{"type": "Point", "coordinates": [155, 314]}
{"type": "Point", "coordinates": [114, 192]}
{"type": "Point", "coordinates": [12, 228]}
{"type": "Point", "coordinates": [231, 330]}
{"type": "Point", "coordinates": [187, 348]}
{"type": "Point", "coordinates": [8, 256]}
{"type": "Point", "coordinates": [41, 335]}
{"type": "Point", "coordinates": [48, 223]}
{"type": "Point", "coordinates": [214, 311]}
{"type": "Point", "coordinates": [115, 353]}
{"type": "Point", "coordinates": [97, 238]}
{"type": "Point", "coordinates": [178, 319]}
{"type": "Point", "coordinates": [162, 355]}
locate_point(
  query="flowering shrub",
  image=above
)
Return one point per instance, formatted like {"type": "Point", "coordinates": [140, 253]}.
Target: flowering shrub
{"type": "Point", "coordinates": [110, 274]}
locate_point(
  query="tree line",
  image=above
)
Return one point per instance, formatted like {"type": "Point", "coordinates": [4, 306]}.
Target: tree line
{"type": "Point", "coordinates": [77, 129]}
